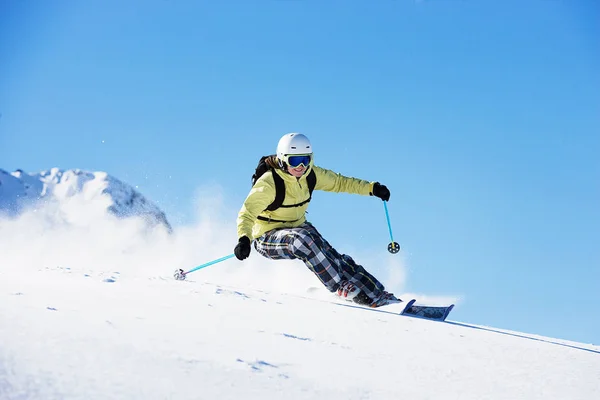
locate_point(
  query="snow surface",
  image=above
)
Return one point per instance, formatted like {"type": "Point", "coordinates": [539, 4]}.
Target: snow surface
{"type": "Point", "coordinates": [91, 311]}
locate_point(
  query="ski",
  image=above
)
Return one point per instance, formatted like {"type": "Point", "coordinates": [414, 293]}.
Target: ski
{"type": "Point", "coordinates": [407, 308]}
{"type": "Point", "coordinates": [410, 309]}
{"type": "Point", "coordinates": [435, 313]}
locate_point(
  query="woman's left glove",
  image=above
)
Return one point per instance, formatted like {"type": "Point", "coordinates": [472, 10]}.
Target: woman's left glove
{"type": "Point", "coordinates": [381, 191]}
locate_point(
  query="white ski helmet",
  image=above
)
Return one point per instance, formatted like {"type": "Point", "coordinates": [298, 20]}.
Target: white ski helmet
{"type": "Point", "coordinates": [293, 143]}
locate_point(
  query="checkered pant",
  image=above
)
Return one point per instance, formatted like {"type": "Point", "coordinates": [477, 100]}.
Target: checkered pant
{"type": "Point", "coordinates": [307, 244]}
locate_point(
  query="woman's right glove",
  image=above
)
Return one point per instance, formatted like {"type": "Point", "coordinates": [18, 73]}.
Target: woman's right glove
{"type": "Point", "coordinates": [242, 249]}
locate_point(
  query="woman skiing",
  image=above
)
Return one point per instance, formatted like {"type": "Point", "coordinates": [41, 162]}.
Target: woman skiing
{"type": "Point", "coordinates": [273, 216]}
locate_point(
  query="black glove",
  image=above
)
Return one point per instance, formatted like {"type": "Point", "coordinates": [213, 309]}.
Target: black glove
{"type": "Point", "coordinates": [381, 191]}
{"type": "Point", "coordinates": [242, 249]}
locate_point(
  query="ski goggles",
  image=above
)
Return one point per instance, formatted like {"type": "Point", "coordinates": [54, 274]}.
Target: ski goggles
{"type": "Point", "coordinates": [296, 160]}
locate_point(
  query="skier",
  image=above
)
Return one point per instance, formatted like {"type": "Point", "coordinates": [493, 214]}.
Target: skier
{"type": "Point", "coordinates": [273, 216]}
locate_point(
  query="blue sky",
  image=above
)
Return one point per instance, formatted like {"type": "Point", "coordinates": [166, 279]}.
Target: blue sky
{"type": "Point", "coordinates": [483, 119]}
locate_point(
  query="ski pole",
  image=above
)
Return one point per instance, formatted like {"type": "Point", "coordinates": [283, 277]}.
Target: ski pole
{"type": "Point", "coordinates": [180, 274]}
{"type": "Point", "coordinates": [393, 247]}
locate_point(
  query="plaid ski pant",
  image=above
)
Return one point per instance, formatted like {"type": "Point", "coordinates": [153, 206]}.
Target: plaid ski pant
{"type": "Point", "coordinates": [307, 244]}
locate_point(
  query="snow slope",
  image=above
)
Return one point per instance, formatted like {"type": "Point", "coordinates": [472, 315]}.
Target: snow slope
{"type": "Point", "coordinates": [92, 312]}
{"type": "Point", "coordinates": [76, 195]}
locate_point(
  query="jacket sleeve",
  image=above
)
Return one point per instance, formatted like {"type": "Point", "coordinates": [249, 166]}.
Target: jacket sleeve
{"type": "Point", "coordinates": [330, 181]}
{"type": "Point", "coordinates": [261, 195]}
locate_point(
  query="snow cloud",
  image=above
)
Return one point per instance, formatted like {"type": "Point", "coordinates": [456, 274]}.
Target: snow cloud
{"type": "Point", "coordinates": [82, 236]}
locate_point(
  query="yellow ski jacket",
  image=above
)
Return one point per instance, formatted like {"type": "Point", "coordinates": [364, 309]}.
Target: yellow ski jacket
{"type": "Point", "coordinates": [262, 195]}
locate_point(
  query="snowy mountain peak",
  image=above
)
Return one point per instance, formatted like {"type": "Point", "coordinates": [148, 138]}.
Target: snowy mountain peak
{"type": "Point", "coordinates": [96, 191]}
